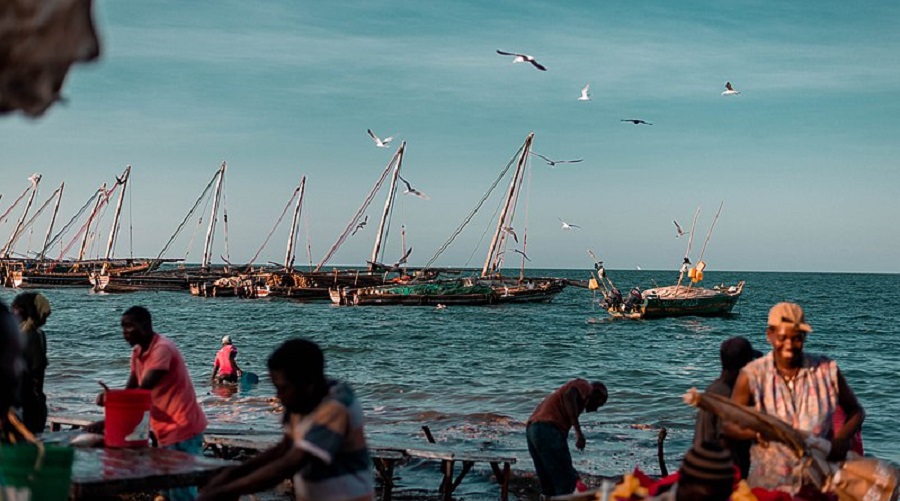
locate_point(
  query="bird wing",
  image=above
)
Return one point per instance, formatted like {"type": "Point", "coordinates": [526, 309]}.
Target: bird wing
{"type": "Point", "coordinates": [586, 89]}
{"type": "Point", "coordinates": [537, 65]}
{"type": "Point", "coordinates": [542, 156]}
{"type": "Point", "coordinates": [507, 53]}
{"type": "Point", "coordinates": [574, 226]}
{"type": "Point", "coordinates": [420, 194]}
{"type": "Point", "coordinates": [570, 161]}
{"type": "Point", "coordinates": [627, 120]}
{"type": "Point", "coordinates": [728, 86]}
{"type": "Point", "coordinates": [523, 254]}
{"type": "Point", "coordinates": [387, 139]}
{"type": "Point", "coordinates": [372, 134]}
{"type": "Point", "coordinates": [408, 187]}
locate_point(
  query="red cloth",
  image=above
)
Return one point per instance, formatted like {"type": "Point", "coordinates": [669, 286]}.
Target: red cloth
{"type": "Point", "coordinates": [838, 420]}
{"type": "Point", "coordinates": [552, 409]}
{"type": "Point", "coordinates": [175, 415]}
{"type": "Point", "coordinates": [223, 360]}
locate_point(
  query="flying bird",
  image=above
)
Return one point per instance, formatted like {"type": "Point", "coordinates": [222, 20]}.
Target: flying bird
{"type": "Point", "coordinates": [729, 90]}
{"type": "Point", "coordinates": [361, 225]}
{"type": "Point", "coordinates": [552, 163]}
{"type": "Point", "coordinates": [567, 226]}
{"type": "Point", "coordinates": [522, 253]}
{"type": "Point", "coordinates": [34, 178]}
{"type": "Point", "coordinates": [678, 229]}
{"type": "Point", "coordinates": [509, 229]}
{"type": "Point", "coordinates": [403, 259]}
{"type": "Point", "coordinates": [381, 143]}
{"type": "Point", "coordinates": [412, 191]}
{"type": "Point", "coordinates": [585, 93]}
{"type": "Point", "coordinates": [522, 58]}
{"type": "Point", "coordinates": [635, 121]}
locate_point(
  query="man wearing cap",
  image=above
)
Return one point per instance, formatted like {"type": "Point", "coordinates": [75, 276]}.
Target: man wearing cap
{"type": "Point", "coordinates": [548, 428]}
{"type": "Point", "coordinates": [734, 353]}
{"type": "Point", "coordinates": [225, 368]}
{"type": "Point", "coordinates": [801, 389]}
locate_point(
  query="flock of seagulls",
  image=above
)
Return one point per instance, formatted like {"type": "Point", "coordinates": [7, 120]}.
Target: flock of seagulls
{"type": "Point", "coordinates": [585, 96]}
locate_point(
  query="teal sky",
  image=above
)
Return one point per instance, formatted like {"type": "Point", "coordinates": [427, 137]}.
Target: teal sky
{"type": "Point", "coordinates": [805, 158]}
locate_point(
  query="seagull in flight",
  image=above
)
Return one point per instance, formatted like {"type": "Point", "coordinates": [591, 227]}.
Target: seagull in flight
{"type": "Point", "coordinates": [729, 90]}
{"type": "Point", "coordinates": [679, 230]}
{"type": "Point", "coordinates": [412, 191]}
{"type": "Point", "coordinates": [567, 226]}
{"type": "Point", "coordinates": [552, 163]}
{"type": "Point", "coordinates": [381, 143]}
{"type": "Point", "coordinates": [635, 121]}
{"type": "Point", "coordinates": [522, 253]}
{"type": "Point", "coordinates": [585, 93]}
{"type": "Point", "coordinates": [509, 229]}
{"type": "Point", "coordinates": [361, 225]}
{"type": "Point", "coordinates": [522, 58]}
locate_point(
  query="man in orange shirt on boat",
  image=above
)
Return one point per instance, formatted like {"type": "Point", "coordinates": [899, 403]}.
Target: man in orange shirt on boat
{"type": "Point", "coordinates": [548, 428]}
{"type": "Point", "coordinates": [156, 365]}
{"type": "Point", "coordinates": [225, 368]}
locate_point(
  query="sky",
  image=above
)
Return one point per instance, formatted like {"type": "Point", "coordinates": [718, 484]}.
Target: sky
{"type": "Point", "coordinates": [804, 159]}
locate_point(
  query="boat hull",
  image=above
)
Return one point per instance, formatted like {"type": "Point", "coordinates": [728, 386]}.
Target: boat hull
{"type": "Point", "coordinates": [683, 301]}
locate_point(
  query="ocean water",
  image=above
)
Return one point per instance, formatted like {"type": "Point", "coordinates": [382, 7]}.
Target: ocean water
{"type": "Point", "coordinates": [474, 374]}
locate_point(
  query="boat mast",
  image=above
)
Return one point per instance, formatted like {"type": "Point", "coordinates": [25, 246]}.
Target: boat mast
{"type": "Point", "coordinates": [115, 224]}
{"type": "Point", "coordinates": [288, 256]}
{"type": "Point", "coordinates": [359, 212]}
{"type": "Point", "coordinates": [52, 221]}
{"type": "Point", "coordinates": [688, 251]}
{"type": "Point", "coordinates": [501, 222]}
{"type": "Point", "coordinates": [387, 207]}
{"type": "Point", "coordinates": [87, 228]}
{"type": "Point", "coordinates": [35, 181]}
{"type": "Point", "coordinates": [207, 246]}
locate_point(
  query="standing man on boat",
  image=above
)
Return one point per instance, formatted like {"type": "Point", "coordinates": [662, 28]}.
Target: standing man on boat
{"type": "Point", "coordinates": [548, 428]}
{"type": "Point", "coordinates": [225, 368]}
{"type": "Point", "coordinates": [156, 365]}
{"type": "Point", "coordinates": [324, 444]}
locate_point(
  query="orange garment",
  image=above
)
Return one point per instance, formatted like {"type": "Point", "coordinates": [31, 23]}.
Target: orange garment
{"type": "Point", "coordinates": [175, 415]}
{"type": "Point", "coordinates": [553, 409]}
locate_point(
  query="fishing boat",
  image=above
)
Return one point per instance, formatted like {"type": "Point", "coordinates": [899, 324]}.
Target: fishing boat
{"type": "Point", "coordinates": [490, 287]}
{"type": "Point", "coordinates": [43, 272]}
{"type": "Point", "coordinates": [673, 300]}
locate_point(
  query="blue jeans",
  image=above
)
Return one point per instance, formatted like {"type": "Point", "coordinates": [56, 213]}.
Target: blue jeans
{"type": "Point", "coordinates": [194, 446]}
{"type": "Point", "coordinates": [549, 450]}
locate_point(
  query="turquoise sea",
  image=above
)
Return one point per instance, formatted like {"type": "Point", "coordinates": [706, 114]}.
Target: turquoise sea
{"type": "Point", "coordinates": [474, 374]}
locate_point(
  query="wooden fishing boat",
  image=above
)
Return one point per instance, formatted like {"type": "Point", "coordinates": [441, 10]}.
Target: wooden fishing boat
{"type": "Point", "coordinates": [243, 286]}
{"type": "Point", "coordinates": [680, 301]}
{"type": "Point", "coordinates": [673, 300]}
{"type": "Point", "coordinates": [491, 287]}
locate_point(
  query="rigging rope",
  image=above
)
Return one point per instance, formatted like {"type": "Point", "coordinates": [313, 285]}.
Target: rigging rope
{"type": "Point", "coordinates": [53, 241]}
{"type": "Point", "coordinates": [713, 225]}
{"type": "Point", "coordinates": [186, 217]}
{"type": "Point", "coordinates": [360, 211]}
{"type": "Point", "coordinates": [13, 206]}
{"type": "Point", "coordinates": [472, 214]}
{"type": "Point", "coordinates": [275, 227]}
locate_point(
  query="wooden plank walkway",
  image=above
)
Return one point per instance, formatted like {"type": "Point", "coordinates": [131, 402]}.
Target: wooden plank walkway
{"type": "Point", "coordinates": [230, 443]}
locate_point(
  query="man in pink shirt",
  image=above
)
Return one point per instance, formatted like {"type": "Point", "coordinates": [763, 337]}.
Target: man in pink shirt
{"type": "Point", "coordinates": [156, 365]}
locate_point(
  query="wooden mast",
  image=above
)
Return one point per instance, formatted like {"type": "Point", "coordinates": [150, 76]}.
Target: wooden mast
{"type": "Point", "coordinates": [207, 245]}
{"type": "Point", "coordinates": [688, 251]}
{"type": "Point", "coordinates": [115, 223]}
{"type": "Point", "coordinates": [87, 230]}
{"type": "Point", "coordinates": [35, 181]}
{"type": "Point", "coordinates": [288, 256]}
{"type": "Point", "coordinates": [387, 207]}
{"type": "Point", "coordinates": [501, 222]}
{"type": "Point", "coordinates": [52, 221]}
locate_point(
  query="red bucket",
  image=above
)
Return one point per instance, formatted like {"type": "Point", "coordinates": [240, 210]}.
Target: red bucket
{"type": "Point", "coordinates": [127, 418]}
